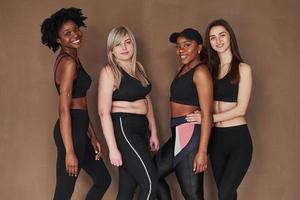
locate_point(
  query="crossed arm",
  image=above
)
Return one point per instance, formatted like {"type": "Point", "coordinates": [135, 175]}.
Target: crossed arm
{"type": "Point", "coordinates": [244, 93]}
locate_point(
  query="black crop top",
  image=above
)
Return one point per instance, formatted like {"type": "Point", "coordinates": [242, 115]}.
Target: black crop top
{"type": "Point", "coordinates": [183, 89]}
{"type": "Point", "coordinates": [81, 83]}
{"type": "Point", "coordinates": [224, 90]}
{"type": "Point", "coordinates": [130, 89]}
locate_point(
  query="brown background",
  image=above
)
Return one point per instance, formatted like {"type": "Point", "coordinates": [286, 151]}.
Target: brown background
{"type": "Point", "coordinates": [268, 35]}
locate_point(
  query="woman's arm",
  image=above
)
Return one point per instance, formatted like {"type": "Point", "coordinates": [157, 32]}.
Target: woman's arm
{"type": "Point", "coordinates": [203, 82]}
{"type": "Point", "coordinates": [154, 143]}
{"type": "Point", "coordinates": [245, 86]}
{"type": "Point", "coordinates": [105, 91]}
{"type": "Point", "coordinates": [240, 109]}
{"type": "Point", "coordinates": [67, 74]}
{"type": "Point", "coordinates": [94, 141]}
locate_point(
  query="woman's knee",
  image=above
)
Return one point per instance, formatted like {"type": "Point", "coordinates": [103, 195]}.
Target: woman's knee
{"type": "Point", "coordinates": [163, 166]}
{"type": "Point", "coordinates": [104, 181]}
{"type": "Point", "coordinates": [195, 194]}
{"type": "Point", "coordinates": [107, 181]}
{"type": "Point", "coordinates": [227, 194]}
{"type": "Point", "coordinates": [192, 186]}
{"type": "Point", "coordinates": [149, 189]}
{"type": "Point", "coordinates": [154, 186]}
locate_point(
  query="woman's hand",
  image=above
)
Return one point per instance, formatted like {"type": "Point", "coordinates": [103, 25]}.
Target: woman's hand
{"type": "Point", "coordinates": [154, 143]}
{"type": "Point", "coordinates": [115, 157]}
{"type": "Point", "coordinates": [97, 147]}
{"type": "Point", "coordinates": [194, 118]}
{"type": "Point", "coordinates": [71, 164]}
{"type": "Point", "coordinates": [200, 162]}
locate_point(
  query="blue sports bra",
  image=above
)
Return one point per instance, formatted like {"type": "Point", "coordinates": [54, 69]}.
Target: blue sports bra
{"type": "Point", "coordinates": [82, 81]}
{"type": "Point", "coordinates": [130, 89]}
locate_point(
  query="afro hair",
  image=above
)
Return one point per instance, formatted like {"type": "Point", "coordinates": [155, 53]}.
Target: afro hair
{"type": "Point", "coordinates": [51, 25]}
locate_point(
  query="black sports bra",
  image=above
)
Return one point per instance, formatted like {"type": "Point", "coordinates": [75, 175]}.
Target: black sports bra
{"type": "Point", "coordinates": [224, 90]}
{"type": "Point", "coordinates": [130, 89]}
{"type": "Point", "coordinates": [81, 83]}
{"type": "Point", "coordinates": [183, 89]}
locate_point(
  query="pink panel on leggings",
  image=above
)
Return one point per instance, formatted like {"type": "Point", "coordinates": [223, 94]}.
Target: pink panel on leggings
{"type": "Point", "coordinates": [184, 133]}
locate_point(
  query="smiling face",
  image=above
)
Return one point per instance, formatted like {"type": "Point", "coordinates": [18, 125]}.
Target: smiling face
{"type": "Point", "coordinates": [69, 35]}
{"type": "Point", "coordinates": [187, 51]}
{"type": "Point", "coordinates": [123, 51]}
{"type": "Point", "coordinates": [219, 39]}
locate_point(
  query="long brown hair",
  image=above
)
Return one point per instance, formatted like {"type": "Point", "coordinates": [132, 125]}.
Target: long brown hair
{"type": "Point", "coordinates": [213, 58]}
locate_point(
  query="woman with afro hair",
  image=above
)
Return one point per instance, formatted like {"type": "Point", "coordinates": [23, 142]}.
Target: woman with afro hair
{"type": "Point", "coordinates": [77, 145]}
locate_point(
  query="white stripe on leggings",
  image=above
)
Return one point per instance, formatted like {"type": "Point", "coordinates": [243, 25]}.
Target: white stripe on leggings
{"type": "Point", "coordinates": [137, 156]}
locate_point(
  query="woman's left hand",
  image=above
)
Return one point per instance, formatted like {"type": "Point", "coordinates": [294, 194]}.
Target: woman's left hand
{"type": "Point", "coordinates": [154, 143]}
{"type": "Point", "coordinates": [97, 147]}
{"type": "Point", "coordinates": [200, 162]}
{"type": "Point", "coordinates": [194, 118]}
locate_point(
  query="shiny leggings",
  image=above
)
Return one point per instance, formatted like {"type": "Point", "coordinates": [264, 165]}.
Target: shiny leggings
{"type": "Point", "coordinates": [191, 184]}
{"type": "Point", "coordinates": [230, 152]}
{"type": "Point", "coordinates": [86, 160]}
{"type": "Point", "coordinates": [138, 169]}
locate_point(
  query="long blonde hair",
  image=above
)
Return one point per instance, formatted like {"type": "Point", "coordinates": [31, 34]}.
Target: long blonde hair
{"type": "Point", "coordinates": [114, 38]}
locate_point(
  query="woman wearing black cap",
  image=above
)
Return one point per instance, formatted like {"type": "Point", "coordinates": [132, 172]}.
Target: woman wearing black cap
{"type": "Point", "coordinates": [231, 145]}
{"type": "Point", "coordinates": [186, 151]}
{"type": "Point", "coordinates": [191, 90]}
{"type": "Point", "coordinates": [77, 145]}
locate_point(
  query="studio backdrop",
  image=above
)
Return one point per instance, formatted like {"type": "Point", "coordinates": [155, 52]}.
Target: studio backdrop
{"type": "Point", "coordinates": [268, 35]}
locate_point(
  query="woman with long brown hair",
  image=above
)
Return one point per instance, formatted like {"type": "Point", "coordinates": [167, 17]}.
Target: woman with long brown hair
{"type": "Point", "coordinates": [230, 146]}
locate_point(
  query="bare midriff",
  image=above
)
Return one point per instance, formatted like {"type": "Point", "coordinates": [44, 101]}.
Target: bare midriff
{"type": "Point", "coordinates": [178, 110]}
{"type": "Point", "coordinates": [221, 106]}
{"type": "Point", "coordinates": [79, 103]}
{"type": "Point", "coordinates": [136, 107]}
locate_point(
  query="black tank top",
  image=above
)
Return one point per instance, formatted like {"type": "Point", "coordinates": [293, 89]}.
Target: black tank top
{"type": "Point", "coordinates": [130, 89]}
{"type": "Point", "coordinates": [183, 89]}
{"type": "Point", "coordinates": [82, 81]}
{"type": "Point", "coordinates": [224, 90]}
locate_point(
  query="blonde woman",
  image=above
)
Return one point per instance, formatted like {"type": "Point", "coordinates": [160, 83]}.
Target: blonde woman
{"type": "Point", "coordinates": [126, 124]}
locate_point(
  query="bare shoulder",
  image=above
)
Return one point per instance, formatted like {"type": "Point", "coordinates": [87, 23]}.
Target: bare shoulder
{"type": "Point", "coordinates": [202, 76]}
{"type": "Point", "coordinates": [106, 74]}
{"type": "Point", "coordinates": [67, 63]}
{"type": "Point", "coordinates": [106, 70]}
{"type": "Point", "coordinates": [202, 71]}
{"type": "Point", "coordinates": [244, 69]}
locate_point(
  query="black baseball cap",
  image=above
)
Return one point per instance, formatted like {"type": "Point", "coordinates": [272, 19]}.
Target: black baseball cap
{"type": "Point", "coordinates": [189, 33]}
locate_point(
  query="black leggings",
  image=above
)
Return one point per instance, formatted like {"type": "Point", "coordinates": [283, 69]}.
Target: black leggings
{"type": "Point", "coordinates": [230, 154]}
{"type": "Point", "coordinates": [86, 160]}
{"type": "Point", "coordinates": [131, 132]}
{"type": "Point", "coordinates": [191, 184]}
